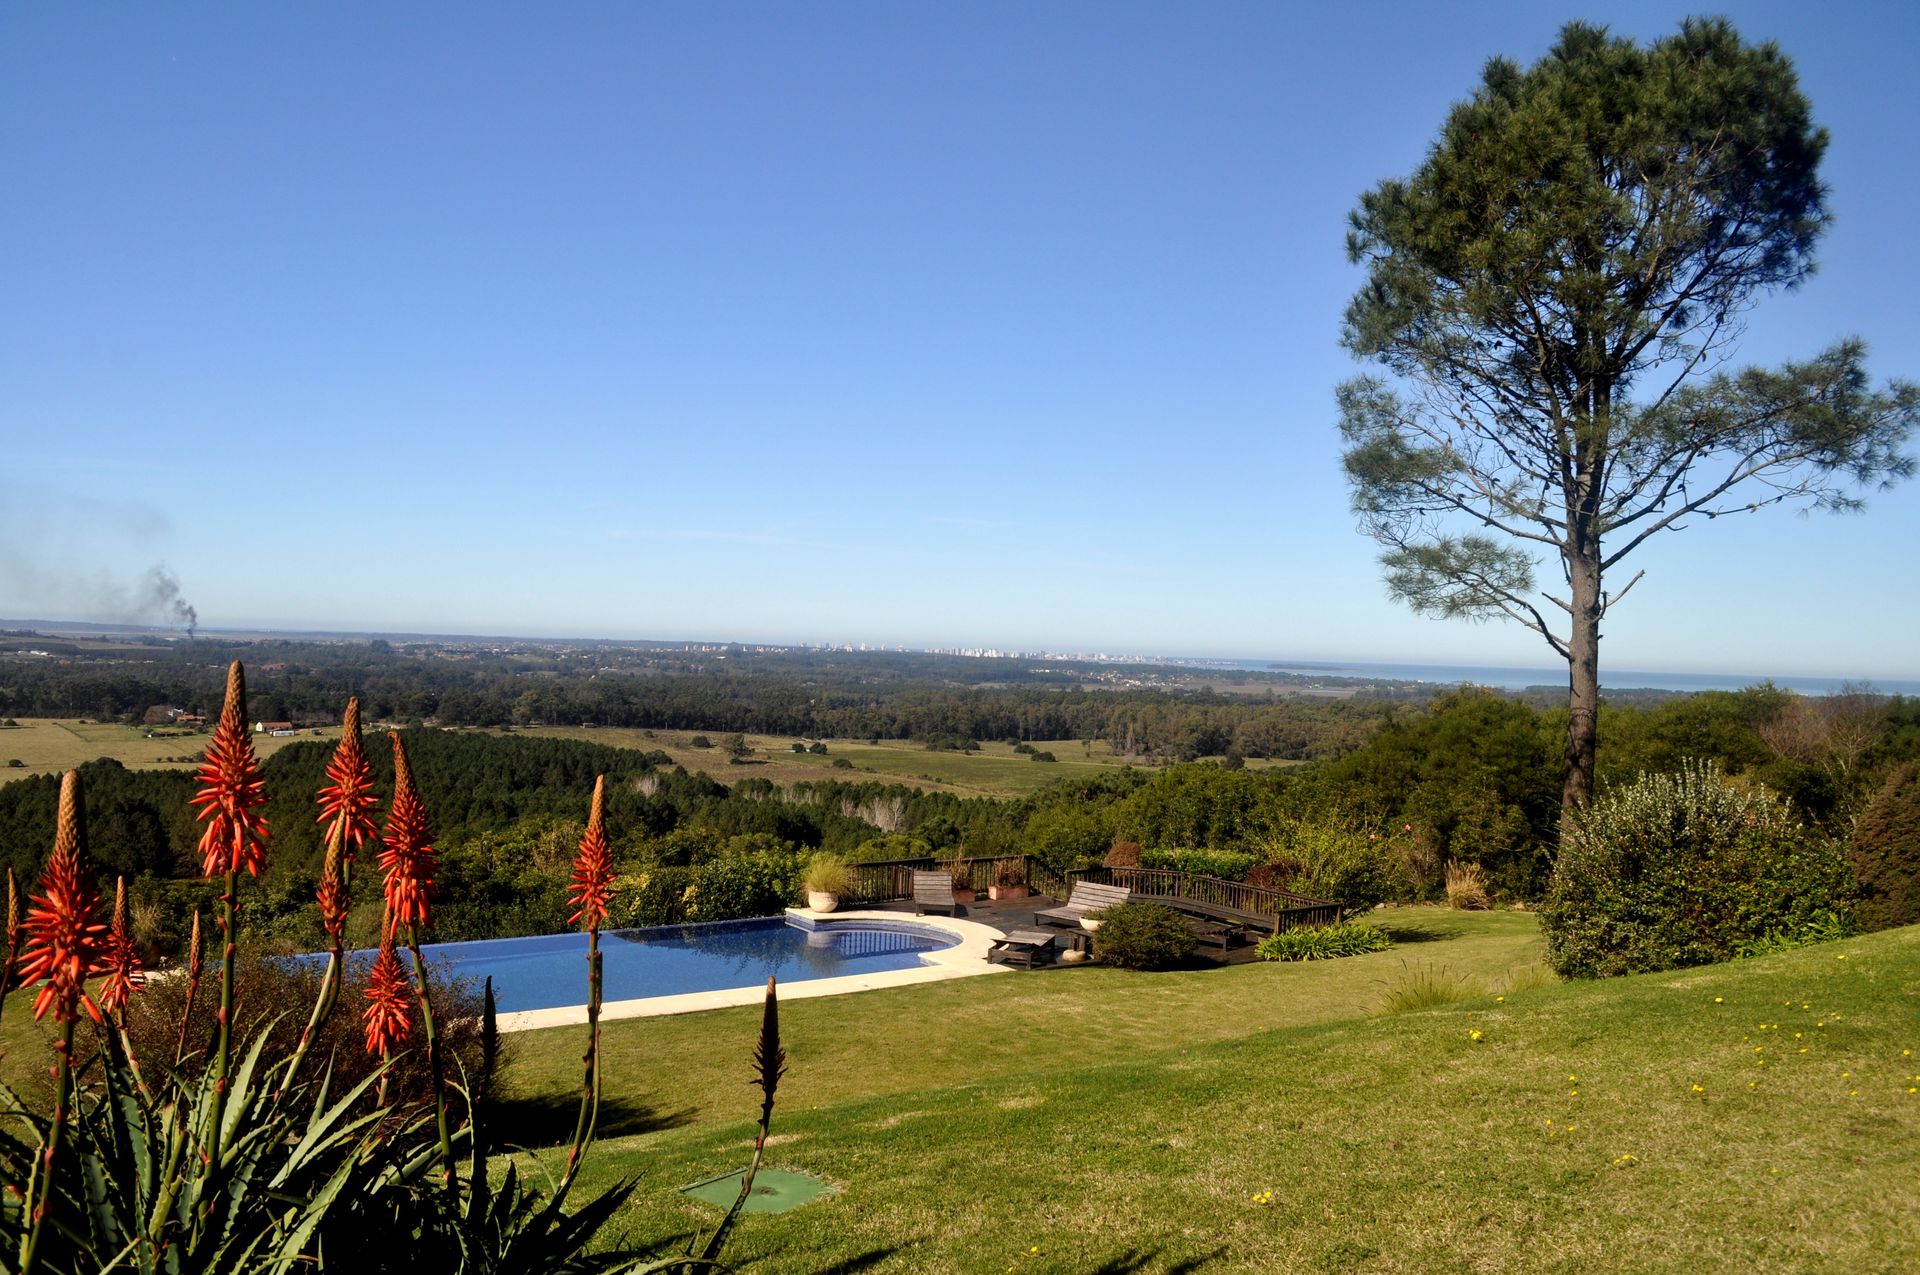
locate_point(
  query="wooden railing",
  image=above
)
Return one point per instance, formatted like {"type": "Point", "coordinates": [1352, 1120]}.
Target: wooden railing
{"type": "Point", "coordinates": [881, 882]}
{"type": "Point", "coordinates": [893, 879]}
{"type": "Point", "coordinates": [1288, 910]}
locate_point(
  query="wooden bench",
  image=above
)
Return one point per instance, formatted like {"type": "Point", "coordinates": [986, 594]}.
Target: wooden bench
{"type": "Point", "coordinates": [1087, 898]}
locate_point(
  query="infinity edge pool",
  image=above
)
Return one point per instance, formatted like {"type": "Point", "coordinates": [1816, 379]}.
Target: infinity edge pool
{"type": "Point", "coordinates": [966, 958]}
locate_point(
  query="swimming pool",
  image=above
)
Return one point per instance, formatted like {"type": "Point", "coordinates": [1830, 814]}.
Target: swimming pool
{"type": "Point", "coordinates": [550, 971]}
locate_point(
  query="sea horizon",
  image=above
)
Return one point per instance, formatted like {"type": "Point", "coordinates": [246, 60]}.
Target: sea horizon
{"type": "Point", "coordinates": [1520, 678]}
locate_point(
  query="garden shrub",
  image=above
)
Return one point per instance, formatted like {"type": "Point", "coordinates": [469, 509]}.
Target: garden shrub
{"type": "Point", "coordinates": [1231, 864]}
{"type": "Point", "coordinates": [655, 896]}
{"type": "Point", "coordinates": [742, 886]}
{"type": "Point", "coordinates": [1886, 853]}
{"type": "Point", "coordinates": [1687, 869]}
{"type": "Point", "coordinates": [1142, 936]}
{"type": "Point", "coordinates": [1337, 861]}
{"type": "Point", "coordinates": [1322, 942]}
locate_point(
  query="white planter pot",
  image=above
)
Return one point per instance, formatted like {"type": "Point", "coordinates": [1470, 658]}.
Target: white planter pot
{"type": "Point", "coordinates": [822, 902]}
{"type": "Point", "coordinates": [1089, 924]}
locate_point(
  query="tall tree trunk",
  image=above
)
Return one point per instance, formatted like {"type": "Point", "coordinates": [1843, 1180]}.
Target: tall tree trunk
{"type": "Point", "coordinates": [1583, 677]}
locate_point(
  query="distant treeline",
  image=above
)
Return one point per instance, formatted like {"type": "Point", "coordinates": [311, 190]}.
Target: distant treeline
{"type": "Point", "coordinates": [1471, 776]}
{"type": "Point", "coordinates": [876, 695]}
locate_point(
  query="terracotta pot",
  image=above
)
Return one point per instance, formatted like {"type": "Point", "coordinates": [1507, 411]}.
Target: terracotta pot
{"type": "Point", "coordinates": [963, 895]}
{"type": "Point", "coordinates": [1006, 892]}
{"type": "Point", "coordinates": [822, 902]}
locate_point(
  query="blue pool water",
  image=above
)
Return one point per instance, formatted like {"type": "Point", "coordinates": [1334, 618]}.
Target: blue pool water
{"type": "Point", "coordinates": [551, 970]}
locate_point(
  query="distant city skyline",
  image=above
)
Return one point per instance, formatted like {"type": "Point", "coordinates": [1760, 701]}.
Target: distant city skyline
{"type": "Point", "coordinates": [997, 326]}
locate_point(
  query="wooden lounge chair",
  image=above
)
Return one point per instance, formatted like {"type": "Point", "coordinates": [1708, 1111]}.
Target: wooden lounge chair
{"type": "Point", "coordinates": [1022, 947]}
{"type": "Point", "coordinates": [1087, 898]}
{"type": "Point", "coordinates": [934, 890]}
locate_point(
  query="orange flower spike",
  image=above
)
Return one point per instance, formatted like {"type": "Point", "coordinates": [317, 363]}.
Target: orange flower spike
{"type": "Point", "coordinates": [349, 798]}
{"type": "Point", "coordinates": [196, 951]}
{"type": "Point", "coordinates": [389, 1000]}
{"type": "Point", "coordinates": [65, 941]}
{"type": "Point", "coordinates": [408, 859]}
{"type": "Point", "coordinates": [232, 790]}
{"type": "Point", "coordinates": [592, 887]}
{"type": "Point", "coordinates": [124, 976]}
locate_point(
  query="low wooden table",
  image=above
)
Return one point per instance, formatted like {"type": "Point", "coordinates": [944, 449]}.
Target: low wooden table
{"type": "Point", "coordinates": [1022, 946]}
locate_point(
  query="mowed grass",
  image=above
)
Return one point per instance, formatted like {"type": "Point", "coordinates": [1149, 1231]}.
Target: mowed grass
{"type": "Point", "coordinates": [996, 770]}
{"type": "Point", "coordinates": [1266, 1118]}
{"type": "Point", "coordinates": [50, 745]}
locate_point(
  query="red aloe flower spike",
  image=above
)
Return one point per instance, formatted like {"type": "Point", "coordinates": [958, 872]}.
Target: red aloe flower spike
{"type": "Point", "coordinates": [408, 859]}
{"type": "Point", "coordinates": [65, 941]}
{"type": "Point", "coordinates": [349, 799]}
{"type": "Point", "coordinates": [231, 790]}
{"type": "Point", "coordinates": [592, 887]}
{"type": "Point", "coordinates": [389, 1000]}
{"type": "Point", "coordinates": [124, 976]}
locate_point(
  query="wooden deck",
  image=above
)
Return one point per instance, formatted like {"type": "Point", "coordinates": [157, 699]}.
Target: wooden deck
{"type": "Point", "coordinates": [1017, 914]}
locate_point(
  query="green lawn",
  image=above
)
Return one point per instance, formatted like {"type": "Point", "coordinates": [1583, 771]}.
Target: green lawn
{"type": "Point", "coordinates": [1266, 1118]}
{"type": "Point", "coordinates": [1121, 1122]}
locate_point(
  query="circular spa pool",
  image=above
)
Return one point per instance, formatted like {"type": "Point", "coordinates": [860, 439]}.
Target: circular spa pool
{"type": "Point", "coordinates": [550, 970]}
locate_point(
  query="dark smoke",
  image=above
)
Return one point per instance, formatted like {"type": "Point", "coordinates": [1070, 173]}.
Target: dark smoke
{"type": "Point", "coordinates": [159, 599]}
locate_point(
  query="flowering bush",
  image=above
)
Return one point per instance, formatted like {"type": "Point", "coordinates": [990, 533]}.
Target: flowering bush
{"type": "Point", "coordinates": [1687, 869]}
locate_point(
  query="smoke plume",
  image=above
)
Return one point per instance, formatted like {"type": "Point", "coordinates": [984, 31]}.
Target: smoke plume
{"type": "Point", "coordinates": [27, 586]}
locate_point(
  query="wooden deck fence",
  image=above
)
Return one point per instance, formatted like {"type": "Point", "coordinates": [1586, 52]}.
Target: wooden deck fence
{"type": "Point", "coordinates": [893, 879]}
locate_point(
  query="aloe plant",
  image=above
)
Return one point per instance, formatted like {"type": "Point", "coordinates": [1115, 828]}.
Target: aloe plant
{"type": "Point", "coordinates": [249, 1164]}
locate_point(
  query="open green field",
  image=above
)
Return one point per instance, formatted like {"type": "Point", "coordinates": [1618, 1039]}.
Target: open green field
{"type": "Point", "coordinates": [1265, 1118]}
{"type": "Point", "coordinates": [47, 745]}
{"type": "Point", "coordinates": [995, 771]}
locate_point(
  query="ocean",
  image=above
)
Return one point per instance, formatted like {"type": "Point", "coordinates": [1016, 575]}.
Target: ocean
{"type": "Point", "coordinates": [1521, 678]}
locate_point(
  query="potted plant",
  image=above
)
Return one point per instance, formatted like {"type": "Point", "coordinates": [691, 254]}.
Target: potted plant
{"type": "Point", "coordinates": [826, 880]}
{"type": "Point", "coordinates": [962, 871]}
{"type": "Point", "coordinates": [1009, 880]}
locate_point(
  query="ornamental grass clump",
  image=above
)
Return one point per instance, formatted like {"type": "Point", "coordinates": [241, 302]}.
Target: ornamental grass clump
{"type": "Point", "coordinates": [827, 874]}
{"type": "Point", "coordinates": [1425, 987]}
{"type": "Point", "coordinates": [1467, 887]}
{"type": "Point", "coordinates": [236, 1147]}
{"type": "Point", "coordinates": [1323, 942]}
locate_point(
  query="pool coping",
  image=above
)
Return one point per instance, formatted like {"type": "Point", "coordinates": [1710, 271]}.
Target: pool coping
{"type": "Point", "coordinates": [964, 959]}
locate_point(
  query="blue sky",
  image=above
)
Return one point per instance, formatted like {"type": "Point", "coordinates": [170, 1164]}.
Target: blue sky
{"type": "Point", "coordinates": [997, 324]}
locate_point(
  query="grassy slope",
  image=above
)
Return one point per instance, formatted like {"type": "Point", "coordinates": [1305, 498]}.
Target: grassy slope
{"type": "Point", "coordinates": [995, 771]}
{"type": "Point", "coordinates": [1125, 1122]}
{"type": "Point", "coordinates": [47, 745]}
